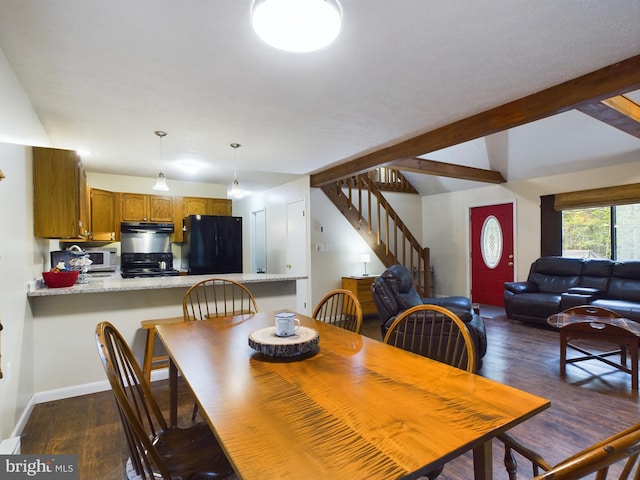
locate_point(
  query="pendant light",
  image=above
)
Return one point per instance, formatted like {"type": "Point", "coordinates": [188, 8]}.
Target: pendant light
{"type": "Point", "coordinates": [297, 25]}
{"type": "Point", "coordinates": [235, 191]}
{"type": "Point", "coordinates": [161, 180]}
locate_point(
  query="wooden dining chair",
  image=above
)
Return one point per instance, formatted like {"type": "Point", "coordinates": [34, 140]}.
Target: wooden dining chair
{"type": "Point", "coordinates": [209, 298]}
{"type": "Point", "coordinates": [434, 332]}
{"type": "Point", "coordinates": [156, 450]}
{"type": "Point", "coordinates": [340, 308]}
{"type": "Point", "coordinates": [617, 455]}
{"type": "Point", "coordinates": [217, 297]}
{"type": "Point", "coordinates": [437, 333]}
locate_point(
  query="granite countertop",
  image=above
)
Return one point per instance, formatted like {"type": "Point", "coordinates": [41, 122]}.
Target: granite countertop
{"type": "Point", "coordinates": [102, 283]}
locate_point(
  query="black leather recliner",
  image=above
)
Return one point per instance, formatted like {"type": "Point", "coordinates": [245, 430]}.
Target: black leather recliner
{"type": "Point", "coordinates": [393, 293]}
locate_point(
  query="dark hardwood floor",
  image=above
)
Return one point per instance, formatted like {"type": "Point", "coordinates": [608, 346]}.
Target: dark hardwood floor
{"type": "Point", "coordinates": [591, 403]}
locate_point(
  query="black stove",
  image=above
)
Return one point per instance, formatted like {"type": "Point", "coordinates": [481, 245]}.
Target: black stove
{"type": "Point", "coordinates": [147, 265]}
{"type": "Point", "coordinates": [148, 272]}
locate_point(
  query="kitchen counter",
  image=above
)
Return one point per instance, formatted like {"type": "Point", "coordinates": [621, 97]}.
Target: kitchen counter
{"type": "Point", "coordinates": [104, 283]}
{"type": "Point", "coordinates": [64, 321]}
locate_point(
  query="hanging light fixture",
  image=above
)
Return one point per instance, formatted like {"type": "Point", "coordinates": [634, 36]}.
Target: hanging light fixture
{"type": "Point", "coordinates": [235, 191]}
{"type": "Point", "coordinates": [161, 180]}
{"type": "Point", "coordinates": [297, 25]}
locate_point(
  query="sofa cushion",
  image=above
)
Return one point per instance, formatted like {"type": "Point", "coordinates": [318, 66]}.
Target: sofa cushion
{"type": "Point", "coordinates": [596, 273]}
{"type": "Point", "coordinates": [623, 308]}
{"type": "Point", "coordinates": [384, 298]}
{"type": "Point", "coordinates": [562, 266]}
{"type": "Point", "coordinates": [540, 305]}
{"type": "Point", "coordinates": [625, 282]}
{"type": "Point", "coordinates": [400, 281]}
{"type": "Point", "coordinates": [553, 284]}
{"type": "Point", "coordinates": [555, 274]}
{"type": "Point", "coordinates": [460, 306]}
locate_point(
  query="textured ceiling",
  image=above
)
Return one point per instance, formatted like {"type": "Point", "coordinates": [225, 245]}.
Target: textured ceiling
{"type": "Point", "coordinates": [102, 76]}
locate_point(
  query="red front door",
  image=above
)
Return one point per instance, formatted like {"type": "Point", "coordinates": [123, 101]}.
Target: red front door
{"type": "Point", "coordinates": [491, 252]}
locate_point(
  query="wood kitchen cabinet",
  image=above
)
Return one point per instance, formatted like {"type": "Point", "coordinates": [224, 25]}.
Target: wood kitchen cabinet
{"type": "Point", "coordinates": [206, 206]}
{"type": "Point", "coordinates": [103, 216]}
{"type": "Point", "coordinates": [361, 287]}
{"type": "Point", "coordinates": [185, 206]}
{"type": "Point", "coordinates": [138, 207]}
{"type": "Point", "coordinates": [60, 196]}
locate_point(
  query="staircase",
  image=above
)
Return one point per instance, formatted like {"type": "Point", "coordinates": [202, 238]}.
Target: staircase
{"type": "Point", "coordinates": [361, 201]}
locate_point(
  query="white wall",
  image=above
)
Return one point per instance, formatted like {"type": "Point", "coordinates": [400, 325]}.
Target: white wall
{"type": "Point", "coordinates": [341, 246]}
{"type": "Point", "coordinates": [446, 225]}
{"type": "Point", "coordinates": [20, 254]}
{"type": "Point", "coordinates": [122, 183]}
{"type": "Point", "coordinates": [18, 265]}
{"type": "Point", "coordinates": [274, 202]}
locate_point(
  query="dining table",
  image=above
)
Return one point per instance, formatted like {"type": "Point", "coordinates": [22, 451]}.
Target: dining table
{"type": "Point", "coordinates": [348, 407]}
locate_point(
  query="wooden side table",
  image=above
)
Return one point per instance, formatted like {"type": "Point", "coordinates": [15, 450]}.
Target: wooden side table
{"type": "Point", "coordinates": [361, 288]}
{"type": "Point", "coordinates": [621, 332]}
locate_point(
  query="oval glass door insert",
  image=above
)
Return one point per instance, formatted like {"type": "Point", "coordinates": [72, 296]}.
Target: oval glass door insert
{"type": "Point", "coordinates": [491, 241]}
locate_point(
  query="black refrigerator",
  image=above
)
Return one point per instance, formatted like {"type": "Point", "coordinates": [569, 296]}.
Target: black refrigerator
{"type": "Point", "coordinates": [212, 244]}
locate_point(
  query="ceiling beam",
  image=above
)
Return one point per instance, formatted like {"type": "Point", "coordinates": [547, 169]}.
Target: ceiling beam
{"type": "Point", "coordinates": [441, 169]}
{"type": "Point", "coordinates": [619, 112]}
{"type": "Point", "coordinates": [605, 83]}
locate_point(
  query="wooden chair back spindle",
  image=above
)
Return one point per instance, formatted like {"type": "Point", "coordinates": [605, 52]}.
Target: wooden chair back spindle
{"type": "Point", "coordinates": [341, 308]}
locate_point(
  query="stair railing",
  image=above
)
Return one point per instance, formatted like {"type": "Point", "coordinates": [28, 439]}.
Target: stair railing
{"type": "Point", "coordinates": [379, 224]}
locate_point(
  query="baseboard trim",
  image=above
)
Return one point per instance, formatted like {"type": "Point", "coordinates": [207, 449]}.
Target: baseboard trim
{"type": "Point", "coordinates": [69, 392]}
{"type": "Point", "coordinates": [10, 446]}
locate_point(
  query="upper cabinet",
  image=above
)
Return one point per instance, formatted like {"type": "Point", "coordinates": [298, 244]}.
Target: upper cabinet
{"type": "Point", "coordinates": [103, 216]}
{"type": "Point", "coordinates": [66, 208]}
{"type": "Point", "coordinates": [59, 194]}
{"type": "Point", "coordinates": [205, 206]}
{"type": "Point", "coordinates": [185, 206]}
{"type": "Point", "coordinates": [137, 207]}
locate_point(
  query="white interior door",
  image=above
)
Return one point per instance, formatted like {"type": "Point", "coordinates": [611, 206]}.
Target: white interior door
{"type": "Point", "coordinates": [296, 263]}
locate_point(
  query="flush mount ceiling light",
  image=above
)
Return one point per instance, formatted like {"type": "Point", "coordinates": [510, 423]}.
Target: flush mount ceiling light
{"type": "Point", "coordinates": [235, 191]}
{"type": "Point", "coordinates": [161, 180]}
{"type": "Point", "coordinates": [297, 25]}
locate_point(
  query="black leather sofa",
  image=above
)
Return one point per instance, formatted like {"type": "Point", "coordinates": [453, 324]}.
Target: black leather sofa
{"type": "Point", "coordinates": [393, 293]}
{"type": "Point", "coordinates": [555, 284]}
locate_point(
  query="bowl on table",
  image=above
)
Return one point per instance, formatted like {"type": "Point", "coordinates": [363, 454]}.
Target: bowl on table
{"type": "Point", "coordinates": [60, 279]}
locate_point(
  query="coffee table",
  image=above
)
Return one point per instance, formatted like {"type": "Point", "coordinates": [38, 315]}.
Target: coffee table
{"type": "Point", "coordinates": [621, 332]}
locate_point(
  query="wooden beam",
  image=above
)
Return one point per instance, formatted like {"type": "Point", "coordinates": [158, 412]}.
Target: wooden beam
{"type": "Point", "coordinates": [605, 83]}
{"type": "Point", "coordinates": [619, 112]}
{"type": "Point", "coordinates": [441, 169]}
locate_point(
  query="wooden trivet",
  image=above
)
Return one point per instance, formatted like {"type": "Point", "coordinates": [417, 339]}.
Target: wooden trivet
{"type": "Point", "coordinates": [268, 343]}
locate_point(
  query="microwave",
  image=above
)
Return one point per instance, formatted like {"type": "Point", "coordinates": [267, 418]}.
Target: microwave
{"type": "Point", "coordinates": [103, 259]}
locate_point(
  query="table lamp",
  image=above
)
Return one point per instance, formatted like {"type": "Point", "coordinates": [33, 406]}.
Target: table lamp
{"type": "Point", "coordinates": [365, 258]}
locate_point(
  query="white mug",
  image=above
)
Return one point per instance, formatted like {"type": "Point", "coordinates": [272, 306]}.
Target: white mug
{"type": "Point", "coordinates": [286, 324]}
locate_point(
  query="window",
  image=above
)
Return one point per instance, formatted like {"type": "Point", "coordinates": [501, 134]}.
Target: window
{"type": "Point", "coordinates": [627, 232]}
{"type": "Point", "coordinates": [602, 232]}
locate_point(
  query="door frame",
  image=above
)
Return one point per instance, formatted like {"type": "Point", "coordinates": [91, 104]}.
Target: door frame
{"type": "Point", "coordinates": [513, 202]}
{"type": "Point", "coordinates": [256, 234]}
